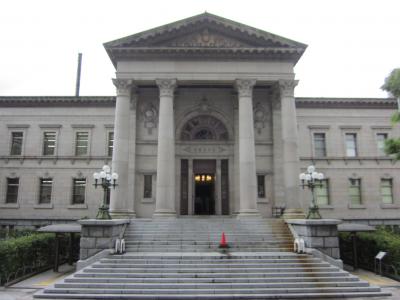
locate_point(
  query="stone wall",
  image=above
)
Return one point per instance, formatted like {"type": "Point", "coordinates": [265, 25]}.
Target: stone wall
{"type": "Point", "coordinates": [98, 235]}
{"type": "Point", "coordinates": [319, 234]}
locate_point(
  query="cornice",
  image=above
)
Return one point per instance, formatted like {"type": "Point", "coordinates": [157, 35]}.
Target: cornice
{"type": "Point", "coordinates": [56, 101]}
{"type": "Point", "coordinates": [321, 102]}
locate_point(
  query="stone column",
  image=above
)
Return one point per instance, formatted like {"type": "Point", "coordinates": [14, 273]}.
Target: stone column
{"type": "Point", "coordinates": [119, 203]}
{"type": "Point", "coordinates": [247, 156]}
{"type": "Point", "coordinates": [290, 159]}
{"type": "Point", "coordinates": [165, 195]}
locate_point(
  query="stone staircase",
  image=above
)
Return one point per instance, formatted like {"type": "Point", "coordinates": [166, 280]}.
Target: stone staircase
{"type": "Point", "coordinates": [179, 259]}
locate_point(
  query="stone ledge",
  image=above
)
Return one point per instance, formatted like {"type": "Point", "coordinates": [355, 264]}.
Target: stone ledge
{"type": "Point", "coordinates": [95, 222]}
{"type": "Point", "coordinates": [313, 222]}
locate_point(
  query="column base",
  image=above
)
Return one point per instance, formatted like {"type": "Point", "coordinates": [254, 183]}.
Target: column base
{"type": "Point", "coordinates": [293, 213]}
{"type": "Point", "coordinates": [248, 213]}
{"type": "Point", "coordinates": [164, 213]}
{"type": "Point", "coordinates": [123, 214]}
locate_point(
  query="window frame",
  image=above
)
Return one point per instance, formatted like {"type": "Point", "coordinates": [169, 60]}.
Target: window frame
{"type": "Point", "coordinates": [391, 191]}
{"type": "Point", "coordinates": [263, 186]}
{"type": "Point", "coordinates": [108, 143]}
{"type": "Point", "coordinates": [7, 184]}
{"type": "Point", "coordinates": [41, 179]}
{"type": "Point", "coordinates": [356, 149]}
{"type": "Point", "coordinates": [76, 146]}
{"type": "Point", "coordinates": [314, 144]}
{"type": "Point", "coordinates": [328, 196]}
{"type": "Point", "coordinates": [17, 128]}
{"type": "Point", "coordinates": [381, 152]}
{"type": "Point", "coordinates": [73, 203]}
{"type": "Point", "coordinates": [325, 129]}
{"type": "Point", "coordinates": [359, 188]}
{"type": "Point", "coordinates": [145, 196]}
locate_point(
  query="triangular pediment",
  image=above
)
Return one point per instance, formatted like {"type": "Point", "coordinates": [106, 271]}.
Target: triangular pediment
{"type": "Point", "coordinates": [205, 33]}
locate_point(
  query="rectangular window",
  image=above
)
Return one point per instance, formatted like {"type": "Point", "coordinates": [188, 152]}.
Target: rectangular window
{"type": "Point", "coordinates": [81, 143]}
{"type": "Point", "coordinates": [261, 186]}
{"type": "Point", "coordinates": [110, 143]}
{"type": "Point", "coordinates": [355, 191]}
{"type": "Point", "coordinates": [380, 139]}
{"type": "Point", "coordinates": [78, 191]}
{"type": "Point", "coordinates": [387, 191]}
{"type": "Point", "coordinates": [351, 144]}
{"type": "Point", "coordinates": [147, 186]}
{"type": "Point", "coordinates": [12, 190]}
{"type": "Point", "coordinates": [46, 185]}
{"type": "Point", "coordinates": [16, 142]}
{"type": "Point", "coordinates": [49, 143]}
{"type": "Point", "coordinates": [322, 193]}
{"type": "Point", "coordinates": [319, 145]}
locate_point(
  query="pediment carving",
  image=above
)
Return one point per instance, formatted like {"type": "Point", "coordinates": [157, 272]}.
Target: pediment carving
{"type": "Point", "coordinates": [205, 39]}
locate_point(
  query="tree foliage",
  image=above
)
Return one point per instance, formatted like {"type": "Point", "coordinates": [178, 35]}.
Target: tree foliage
{"type": "Point", "coordinates": [392, 83]}
{"type": "Point", "coordinates": [392, 86]}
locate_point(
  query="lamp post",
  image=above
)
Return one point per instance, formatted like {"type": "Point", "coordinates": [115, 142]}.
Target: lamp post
{"type": "Point", "coordinates": [104, 179]}
{"type": "Point", "coordinates": [312, 179]}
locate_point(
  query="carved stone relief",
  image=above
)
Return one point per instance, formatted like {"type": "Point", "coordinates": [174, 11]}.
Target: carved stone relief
{"type": "Point", "coordinates": [261, 116]}
{"type": "Point", "coordinates": [149, 116]}
{"type": "Point", "coordinates": [206, 39]}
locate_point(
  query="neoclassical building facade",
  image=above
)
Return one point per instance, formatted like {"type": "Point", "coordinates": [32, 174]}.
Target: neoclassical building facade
{"type": "Point", "coordinates": [204, 122]}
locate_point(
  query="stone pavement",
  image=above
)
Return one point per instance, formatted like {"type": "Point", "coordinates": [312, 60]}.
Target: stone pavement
{"type": "Point", "coordinates": [24, 290]}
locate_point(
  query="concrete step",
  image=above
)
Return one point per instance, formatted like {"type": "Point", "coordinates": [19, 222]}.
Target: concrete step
{"type": "Point", "coordinates": [194, 291]}
{"type": "Point", "coordinates": [322, 295]}
{"type": "Point", "coordinates": [202, 286]}
{"type": "Point", "coordinates": [336, 279]}
{"type": "Point", "coordinates": [308, 274]}
{"type": "Point", "coordinates": [225, 265]}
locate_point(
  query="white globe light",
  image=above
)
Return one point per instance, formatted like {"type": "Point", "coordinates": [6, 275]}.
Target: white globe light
{"type": "Point", "coordinates": [96, 176]}
{"type": "Point", "coordinates": [314, 175]}
{"type": "Point", "coordinates": [108, 176]}
{"type": "Point", "coordinates": [320, 176]}
{"type": "Point", "coordinates": [302, 176]}
{"type": "Point", "coordinates": [106, 168]}
{"type": "Point", "coordinates": [114, 176]}
{"type": "Point", "coordinates": [308, 177]}
{"type": "Point", "coordinates": [310, 169]}
{"type": "Point", "coordinates": [102, 174]}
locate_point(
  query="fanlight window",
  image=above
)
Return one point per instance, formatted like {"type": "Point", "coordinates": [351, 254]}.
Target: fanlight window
{"type": "Point", "coordinates": [204, 128]}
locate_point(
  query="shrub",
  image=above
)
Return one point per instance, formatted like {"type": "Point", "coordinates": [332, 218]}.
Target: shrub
{"type": "Point", "coordinates": [24, 254]}
{"type": "Point", "coordinates": [368, 246]}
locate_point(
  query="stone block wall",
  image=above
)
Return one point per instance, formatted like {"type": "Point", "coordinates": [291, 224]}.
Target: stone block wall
{"type": "Point", "coordinates": [98, 235]}
{"type": "Point", "coordinates": [319, 234]}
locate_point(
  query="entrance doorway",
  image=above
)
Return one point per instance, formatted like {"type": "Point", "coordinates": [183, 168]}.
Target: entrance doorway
{"type": "Point", "coordinates": [204, 202]}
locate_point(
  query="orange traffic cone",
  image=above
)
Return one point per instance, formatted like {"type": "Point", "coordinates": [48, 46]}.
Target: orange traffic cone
{"type": "Point", "coordinates": [223, 244]}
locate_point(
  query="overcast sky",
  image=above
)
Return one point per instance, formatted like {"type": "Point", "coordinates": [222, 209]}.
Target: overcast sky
{"type": "Point", "coordinates": [352, 44]}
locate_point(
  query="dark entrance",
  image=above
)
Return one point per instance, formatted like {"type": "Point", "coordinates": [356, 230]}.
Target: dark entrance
{"type": "Point", "coordinates": [204, 202]}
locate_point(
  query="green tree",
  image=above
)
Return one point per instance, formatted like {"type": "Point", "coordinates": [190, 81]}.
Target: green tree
{"type": "Point", "coordinates": [392, 86]}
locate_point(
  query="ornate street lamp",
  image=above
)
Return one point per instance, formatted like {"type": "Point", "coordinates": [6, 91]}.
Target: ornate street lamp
{"type": "Point", "coordinates": [105, 179]}
{"type": "Point", "coordinates": [312, 179]}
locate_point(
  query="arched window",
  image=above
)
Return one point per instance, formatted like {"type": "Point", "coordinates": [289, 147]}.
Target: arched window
{"type": "Point", "coordinates": [204, 128]}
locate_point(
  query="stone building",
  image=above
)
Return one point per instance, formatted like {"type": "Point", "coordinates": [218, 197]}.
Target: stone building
{"type": "Point", "coordinates": [204, 122]}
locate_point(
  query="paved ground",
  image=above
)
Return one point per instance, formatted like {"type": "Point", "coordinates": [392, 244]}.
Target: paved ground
{"type": "Point", "coordinates": [24, 290]}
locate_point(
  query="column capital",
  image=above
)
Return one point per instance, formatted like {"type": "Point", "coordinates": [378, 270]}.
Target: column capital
{"type": "Point", "coordinates": [286, 87]}
{"type": "Point", "coordinates": [166, 86]}
{"type": "Point", "coordinates": [245, 87]}
{"type": "Point", "coordinates": [123, 85]}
